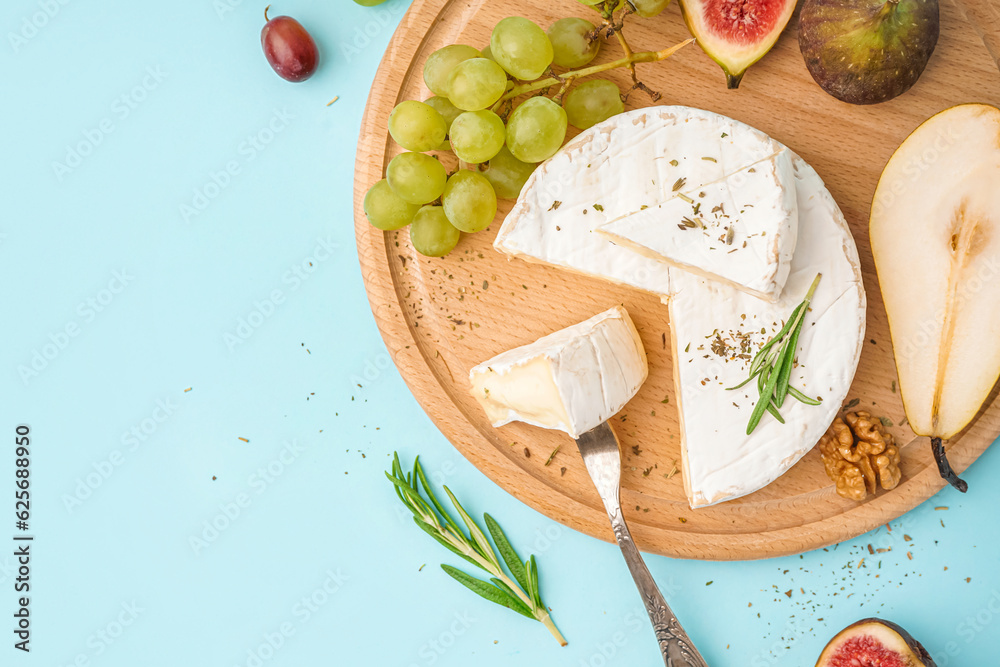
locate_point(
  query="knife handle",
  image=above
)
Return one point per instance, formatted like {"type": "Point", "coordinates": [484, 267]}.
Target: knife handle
{"type": "Point", "coordinates": [675, 645]}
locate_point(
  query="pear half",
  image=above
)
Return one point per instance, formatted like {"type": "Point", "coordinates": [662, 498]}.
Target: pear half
{"type": "Point", "coordinates": [935, 235]}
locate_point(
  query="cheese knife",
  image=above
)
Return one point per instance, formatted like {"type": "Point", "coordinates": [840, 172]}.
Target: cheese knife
{"type": "Point", "coordinates": [602, 456]}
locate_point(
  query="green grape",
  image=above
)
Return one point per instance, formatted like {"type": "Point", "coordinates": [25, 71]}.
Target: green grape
{"type": "Point", "coordinates": [476, 136]}
{"type": "Point", "coordinates": [536, 130]}
{"type": "Point", "coordinates": [571, 43]}
{"type": "Point", "coordinates": [386, 210]}
{"type": "Point", "coordinates": [369, 3]}
{"type": "Point", "coordinates": [591, 3]}
{"type": "Point", "coordinates": [488, 54]}
{"type": "Point", "coordinates": [648, 8]}
{"type": "Point", "coordinates": [416, 178]}
{"type": "Point", "coordinates": [476, 84]}
{"type": "Point", "coordinates": [507, 174]}
{"type": "Point", "coordinates": [417, 126]}
{"type": "Point", "coordinates": [593, 102]}
{"type": "Point", "coordinates": [439, 65]}
{"type": "Point", "coordinates": [521, 48]}
{"type": "Point", "coordinates": [469, 201]}
{"type": "Point", "coordinates": [431, 234]}
{"type": "Point", "coordinates": [444, 107]}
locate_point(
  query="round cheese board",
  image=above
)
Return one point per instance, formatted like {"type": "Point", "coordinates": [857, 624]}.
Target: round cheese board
{"type": "Point", "coordinates": [440, 317]}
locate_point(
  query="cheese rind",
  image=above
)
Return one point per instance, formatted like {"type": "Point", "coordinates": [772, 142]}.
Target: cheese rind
{"type": "Point", "coordinates": [613, 169]}
{"type": "Point", "coordinates": [709, 324]}
{"type": "Point", "coordinates": [571, 380]}
{"type": "Point", "coordinates": [740, 230]}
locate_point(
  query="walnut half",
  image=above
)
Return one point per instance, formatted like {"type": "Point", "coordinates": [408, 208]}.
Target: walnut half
{"type": "Point", "coordinates": [859, 455]}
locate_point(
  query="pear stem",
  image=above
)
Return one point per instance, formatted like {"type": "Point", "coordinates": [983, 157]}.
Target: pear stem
{"type": "Point", "coordinates": [944, 467]}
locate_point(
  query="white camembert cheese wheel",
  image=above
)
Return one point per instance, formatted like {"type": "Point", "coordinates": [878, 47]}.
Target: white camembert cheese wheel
{"type": "Point", "coordinates": [637, 159]}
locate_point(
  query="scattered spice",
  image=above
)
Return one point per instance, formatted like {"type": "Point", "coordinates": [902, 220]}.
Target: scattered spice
{"type": "Point", "coordinates": [562, 471]}
{"type": "Point", "coordinates": [527, 453]}
{"type": "Point", "coordinates": [335, 98]}
{"type": "Point", "coordinates": [244, 439]}
{"type": "Point", "coordinates": [553, 454]}
{"type": "Point", "coordinates": [555, 204]}
{"type": "Point", "coordinates": [679, 183]}
{"type": "Point", "coordinates": [187, 390]}
{"type": "Point", "coordinates": [853, 402]}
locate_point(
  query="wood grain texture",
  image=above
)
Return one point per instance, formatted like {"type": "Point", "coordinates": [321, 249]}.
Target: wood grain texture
{"type": "Point", "coordinates": [440, 317]}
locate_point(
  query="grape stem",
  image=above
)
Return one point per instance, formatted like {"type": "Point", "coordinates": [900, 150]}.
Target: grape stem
{"type": "Point", "coordinates": [630, 61]}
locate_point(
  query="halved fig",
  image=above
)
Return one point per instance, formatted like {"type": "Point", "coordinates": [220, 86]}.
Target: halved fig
{"type": "Point", "coordinates": [737, 33]}
{"type": "Point", "coordinates": [872, 642]}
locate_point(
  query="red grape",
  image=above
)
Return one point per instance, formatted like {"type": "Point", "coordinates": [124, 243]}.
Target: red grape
{"type": "Point", "coordinates": [289, 48]}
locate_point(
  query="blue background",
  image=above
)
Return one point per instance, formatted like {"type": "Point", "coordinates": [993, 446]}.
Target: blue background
{"type": "Point", "coordinates": [174, 251]}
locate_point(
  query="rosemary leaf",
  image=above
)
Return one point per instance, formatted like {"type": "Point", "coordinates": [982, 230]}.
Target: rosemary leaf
{"type": "Point", "coordinates": [445, 543]}
{"type": "Point", "coordinates": [482, 544]}
{"type": "Point", "coordinates": [499, 583]}
{"type": "Point", "coordinates": [434, 501]}
{"type": "Point", "coordinates": [488, 591]}
{"type": "Point", "coordinates": [798, 395]}
{"type": "Point", "coordinates": [507, 552]}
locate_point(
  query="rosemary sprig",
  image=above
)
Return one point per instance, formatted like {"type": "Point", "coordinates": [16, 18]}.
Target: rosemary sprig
{"type": "Point", "coordinates": [772, 366]}
{"type": "Point", "coordinates": [517, 591]}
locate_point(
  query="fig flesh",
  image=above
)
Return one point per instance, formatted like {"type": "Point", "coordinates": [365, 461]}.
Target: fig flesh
{"type": "Point", "coordinates": [872, 642]}
{"type": "Point", "coordinates": [868, 51]}
{"type": "Point", "coordinates": [736, 33]}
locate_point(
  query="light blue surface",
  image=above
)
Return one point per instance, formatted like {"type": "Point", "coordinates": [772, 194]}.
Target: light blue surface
{"type": "Point", "coordinates": [319, 550]}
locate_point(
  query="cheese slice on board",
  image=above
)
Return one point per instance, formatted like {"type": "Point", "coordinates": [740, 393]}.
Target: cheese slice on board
{"type": "Point", "coordinates": [571, 380]}
{"type": "Point", "coordinates": [740, 230]}
{"type": "Point", "coordinates": [716, 330]}
{"type": "Point", "coordinates": [614, 168]}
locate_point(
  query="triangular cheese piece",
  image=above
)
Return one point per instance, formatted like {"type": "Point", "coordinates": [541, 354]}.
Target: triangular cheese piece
{"type": "Point", "coordinates": [613, 169]}
{"type": "Point", "coordinates": [740, 230]}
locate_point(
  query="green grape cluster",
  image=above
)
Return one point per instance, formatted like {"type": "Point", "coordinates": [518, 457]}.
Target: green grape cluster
{"type": "Point", "coordinates": [472, 114]}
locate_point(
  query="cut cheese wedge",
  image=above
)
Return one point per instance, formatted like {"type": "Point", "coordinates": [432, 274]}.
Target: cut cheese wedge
{"type": "Point", "coordinates": [740, 230]}
{"type": "Point", "coordinates": [614, 168]}
{"type": "Point", "coordinates": [717, 329]}
{"type": "Point", "coordinates": [572, 380]}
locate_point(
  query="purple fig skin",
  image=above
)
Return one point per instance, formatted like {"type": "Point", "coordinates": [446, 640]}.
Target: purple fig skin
{"type": "Point", "coordinates": [916, 649]}
{"type": "Point", "coordinates": [289, 48]}
{"type": "Point", "coordinates": [868, 51]}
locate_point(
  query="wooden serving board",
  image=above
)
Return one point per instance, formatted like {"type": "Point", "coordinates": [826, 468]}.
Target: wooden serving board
{"type": "Point", "coordinates": [440, 317]}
